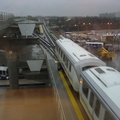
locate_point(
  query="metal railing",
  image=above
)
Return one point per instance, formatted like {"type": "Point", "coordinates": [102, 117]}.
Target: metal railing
{"type": "Point", "coordinates": [56, 93]}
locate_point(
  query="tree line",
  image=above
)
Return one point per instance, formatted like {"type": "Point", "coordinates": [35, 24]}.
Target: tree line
{"type": "Point", "coordinates": [83, 23]}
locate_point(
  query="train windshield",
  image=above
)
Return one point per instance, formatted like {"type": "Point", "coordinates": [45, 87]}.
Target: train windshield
{"type": "Point", "coordinates": [3, 72]}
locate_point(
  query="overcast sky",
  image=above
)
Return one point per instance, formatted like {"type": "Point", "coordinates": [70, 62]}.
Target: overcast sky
{"type": "Point", "coordinates": [59, 7]}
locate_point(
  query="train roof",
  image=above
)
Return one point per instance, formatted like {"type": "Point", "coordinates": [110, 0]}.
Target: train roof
{"type": "Point", "coordinates": [107, 82]}
{"type": "Point", "coordinates": [3, 68]}
{"type": "Point", "coordinates": [75, 52]}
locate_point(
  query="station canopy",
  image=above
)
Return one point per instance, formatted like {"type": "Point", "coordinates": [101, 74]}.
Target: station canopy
{"type": "Point", "coordinates": [27, 27]}
{"type": "Point", "coordinates": [35, 65]}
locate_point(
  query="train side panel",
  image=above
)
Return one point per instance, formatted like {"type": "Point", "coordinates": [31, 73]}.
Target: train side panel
{"type": "Point", "coordinates": [92, 105]}
{"type": "Point", "coordinates": [69, 69]}
{"type": "Point", "coordinates": [74, 59]}
{"type": "Point", "coordinates": [97, 104]}
{"type": "Point", "coordinates": [92, 79]}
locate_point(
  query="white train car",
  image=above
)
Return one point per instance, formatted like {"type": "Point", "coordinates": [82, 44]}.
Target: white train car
{"type": "Point", "coordinates": [97, 84]}
{"type": "Point", "coordinates": [99, 93]}
{"type": "Point", "coordinates": [74, 59]}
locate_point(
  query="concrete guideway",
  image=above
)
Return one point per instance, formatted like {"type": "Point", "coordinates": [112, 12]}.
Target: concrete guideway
{"type": "Point", "coordinates": [68, 107]}
{"type": "Point", "coordinates": [74, 103]}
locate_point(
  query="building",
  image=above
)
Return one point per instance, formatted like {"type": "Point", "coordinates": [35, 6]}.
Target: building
{"type": "Point", "coordinates": [110, 15]}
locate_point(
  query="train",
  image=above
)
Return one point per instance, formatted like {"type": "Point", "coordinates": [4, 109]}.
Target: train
{"type": "Point", "coordinates": [41, 29]}
{"type": "Point", "coordinates": [4, 73]}
{"type": "Point", "coordinates": [97, 84]}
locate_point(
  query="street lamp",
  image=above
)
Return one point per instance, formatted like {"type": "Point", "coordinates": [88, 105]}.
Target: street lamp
{"type": "Point", "coordinates": [77, 26]}
{"type": "Point", "coordinates": [109, 25]}
{"type": "Point", "coordinates": [84, 24]}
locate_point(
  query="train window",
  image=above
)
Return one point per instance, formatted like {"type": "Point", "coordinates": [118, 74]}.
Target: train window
{"type": "Point", "coordinates": [65, 60]}
{"type": "Point", "coordinates": [4, 72]}
{"type": "Point", "coordinates": [63, 57]}
{"type": "Point", "coordinates": [67, 63]}
{"type": "Point", "coordinates": [108, 116]}
{"type": "Point", "coordinates": [61, 54]}
{"type": "Point", "coordinates": [91, 99]}
{"type": "Point", "coordinates": [85, 89]}
{"type": "Point", "coordinates": [97, 108]}
{"type": "Point", "coordinates": [69, 66]}
{"type": "Point", "coordinates": [58, 49]}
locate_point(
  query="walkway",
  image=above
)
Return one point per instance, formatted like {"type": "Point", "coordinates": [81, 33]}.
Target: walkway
{"type": "Point", "coordinates": [28, 104]}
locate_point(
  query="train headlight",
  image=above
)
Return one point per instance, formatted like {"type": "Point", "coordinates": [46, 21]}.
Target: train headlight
{"type": "Point", "coordinates": [81, 81]}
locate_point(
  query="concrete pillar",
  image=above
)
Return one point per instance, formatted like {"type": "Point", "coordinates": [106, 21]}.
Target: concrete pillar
{"type": "Point", "coordinates": [13, 70]}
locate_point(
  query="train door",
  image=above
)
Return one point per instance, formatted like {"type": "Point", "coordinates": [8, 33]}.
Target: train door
{"type": "Point", "coordinates": [99, 112]}
{"type": "Point", "coordinates": [74, 78]}
{"type": "Point", "coordinates": [98, 109]}
{"type": "Point", "coordinates": [84, 94]}
{"type": "Point", "coordinates": [90, 102]}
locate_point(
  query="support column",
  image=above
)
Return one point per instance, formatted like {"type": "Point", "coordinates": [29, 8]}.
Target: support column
{"type": "Point", "coordinates": [13, 70]}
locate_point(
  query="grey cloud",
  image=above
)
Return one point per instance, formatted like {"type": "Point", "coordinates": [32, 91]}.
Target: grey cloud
{"type": "Point", "coordinates": [60, 7]}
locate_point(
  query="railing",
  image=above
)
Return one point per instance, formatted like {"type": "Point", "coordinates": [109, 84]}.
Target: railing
{"type": "Point", "coordinates": [56, 93]}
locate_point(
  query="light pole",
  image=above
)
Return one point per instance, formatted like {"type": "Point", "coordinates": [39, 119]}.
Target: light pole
{"type": "Point", "coordinates": [109, 24]}
{"type": "Point", "coordinates": [77, 26]}
{"type": "Point", "coordinates": [84, 24]}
